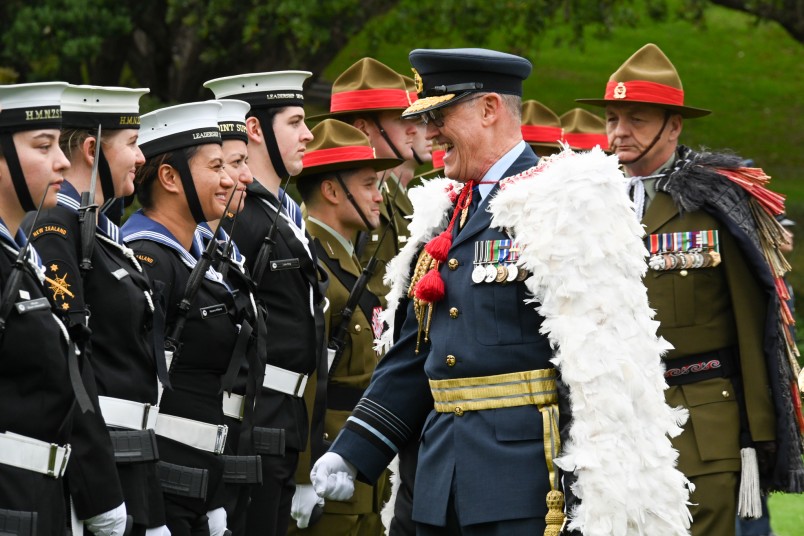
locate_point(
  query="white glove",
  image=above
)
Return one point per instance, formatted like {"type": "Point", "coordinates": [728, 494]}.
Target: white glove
{"type": "Point", "coordinates": [333, 477]}
{"type": "Point", "coordinates": [301, 507]}
{"type": "Point", "coordinates": [217, 521]}
{"type": "Point", "coordinates": [158, 531]}
{"type": "Point", "coordinates": [111, 523]}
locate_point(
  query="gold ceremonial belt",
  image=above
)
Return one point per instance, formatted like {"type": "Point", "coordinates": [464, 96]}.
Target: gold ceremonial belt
{"type": "Point", "coordinates": [530, 387]}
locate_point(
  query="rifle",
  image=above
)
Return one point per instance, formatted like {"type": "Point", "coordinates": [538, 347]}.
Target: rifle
{"type": "Point", "coordinates": [337, 340]}
{"type": "Point", "coordinates": [173, 339]}
{"type": "Point", "coordinates": [15, 277]}
{"type": "Point", "coordinates": [87, 212]}
{"type": "Point", "coordinates": [267, 246]}
{"type": "Point", "coordinates": [226, 251]}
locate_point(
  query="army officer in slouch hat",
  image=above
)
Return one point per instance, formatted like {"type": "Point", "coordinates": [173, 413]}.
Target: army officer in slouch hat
{"type": "Point", "coordinates": [713, 290]}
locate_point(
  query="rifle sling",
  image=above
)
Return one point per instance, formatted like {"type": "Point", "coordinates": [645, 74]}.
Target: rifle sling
{"type": "Point", "coordinates": [367, 301]}
{"type": "Point", "coordinates": [306, 265]}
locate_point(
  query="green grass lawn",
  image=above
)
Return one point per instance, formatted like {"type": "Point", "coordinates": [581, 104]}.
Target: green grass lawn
{"type": "Point", "coordinates": [787, 514]}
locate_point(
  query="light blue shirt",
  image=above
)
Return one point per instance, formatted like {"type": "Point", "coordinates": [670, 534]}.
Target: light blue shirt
{"type": "Point", "coordinates": [495, 172]}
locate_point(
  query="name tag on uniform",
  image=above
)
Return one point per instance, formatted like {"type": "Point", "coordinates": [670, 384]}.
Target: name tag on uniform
{"type": "Point", "coordinates": [284, 264]}
{"type": "Point", "coordinates": [213, 310]}
{"type": "Point", "coordinates": [120, 273]}
{"type": "Point", "coordinates": [32, 305]}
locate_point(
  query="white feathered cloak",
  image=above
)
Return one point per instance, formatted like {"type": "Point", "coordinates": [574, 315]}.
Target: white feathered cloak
{"type": "Point", "coordinates": [583, 247]}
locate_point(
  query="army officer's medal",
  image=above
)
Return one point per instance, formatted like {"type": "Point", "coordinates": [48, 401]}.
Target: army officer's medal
{"type": "Point", "coordinates": [684, 249]}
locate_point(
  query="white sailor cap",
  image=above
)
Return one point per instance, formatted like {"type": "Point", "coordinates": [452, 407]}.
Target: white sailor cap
{"type": "Point", "coordinates": [30, 106]}
{"type": "Point", "coordinates": [232, 119]}
{"type": "Point", "coordinates": [178, 127]}
{"type": "Point", "coordinates": [262, 90]}
{"type": "Point", "coordinates": [113, 108]}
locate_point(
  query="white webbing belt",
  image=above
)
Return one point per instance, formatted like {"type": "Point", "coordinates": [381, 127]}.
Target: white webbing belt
{"type": "Point", "coordinates": [128, 414]}
{"type": "Point", "coordinates": [284, 381]}
{"type": "Point", "coordinates": [196, 434]}
{"type": "Point", "coordinates": [34, 455]}
{"type": "Point", "coordinates": [234, 405]}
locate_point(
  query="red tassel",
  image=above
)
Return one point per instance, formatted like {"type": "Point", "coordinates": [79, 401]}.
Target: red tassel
{"type": "Point", "coordinates": [430, 287]}
{"type": "Point", "coordinates": [438, 247]}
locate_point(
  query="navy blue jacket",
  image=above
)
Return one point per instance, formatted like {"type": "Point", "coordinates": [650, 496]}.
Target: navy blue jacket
{"type": "Point", "coordinates": [494, 457]}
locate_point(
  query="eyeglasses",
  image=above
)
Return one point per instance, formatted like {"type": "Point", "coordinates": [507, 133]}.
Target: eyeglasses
{"type": "Point", "coordinates": [436, 117]}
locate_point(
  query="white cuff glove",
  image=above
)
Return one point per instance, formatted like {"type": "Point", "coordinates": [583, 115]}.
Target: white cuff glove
{"type": "Point", "coordinates": [217, 521]}
{"type": "Point", "coordinates": [301, 507]}
{"type": "Point", "coordinates": [333, 477]}
{"type": "Point", "coordinates": [158, 531]}
{"type": "Point", "coordinates": [111, 523]}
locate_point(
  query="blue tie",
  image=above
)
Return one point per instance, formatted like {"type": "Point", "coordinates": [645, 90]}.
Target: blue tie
{"type": "Point", "coordinates": [476, 198]}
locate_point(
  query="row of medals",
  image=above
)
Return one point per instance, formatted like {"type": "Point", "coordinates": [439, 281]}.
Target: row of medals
{"type": "Point", "coordinates": [682, 260]}
{"type": "Point", "coordinates": [498, 273]}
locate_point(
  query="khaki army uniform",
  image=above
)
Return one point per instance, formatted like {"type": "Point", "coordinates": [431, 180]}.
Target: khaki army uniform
{"type": "Point", "coordinates": [394, 211]}
{"type": "Point", "coordinates": [360, 514]}
{"type": "Point", "coordinates": [702, 311]}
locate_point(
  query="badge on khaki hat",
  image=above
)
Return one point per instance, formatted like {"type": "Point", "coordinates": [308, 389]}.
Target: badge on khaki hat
{"type": "Point", "coordinates": [367, 85]}
{"type": "Point", "coordinates": [648, 77]}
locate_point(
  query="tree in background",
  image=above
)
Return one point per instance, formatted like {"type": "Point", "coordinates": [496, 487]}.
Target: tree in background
{"type": "Point", "coordinates": [172, 46]}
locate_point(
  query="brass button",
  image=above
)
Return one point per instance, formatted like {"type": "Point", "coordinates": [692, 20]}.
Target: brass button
{"type": "Point", "coordinates": [357, 328]}
{"type": "Point", "coordinates": [725, 394]}
{"type": "Point", "coordinates": [683, 273]}
{"type": "Point", "coordinates": [451, 360]}
{"type": "Point", "coordinates": [453, 264]}
{"type": "Point", "coordinates": [326, 435]}
{"type": "Point", "coordinates": [453, 312]}
{"type": "Point", "coordinates": [458, 411]}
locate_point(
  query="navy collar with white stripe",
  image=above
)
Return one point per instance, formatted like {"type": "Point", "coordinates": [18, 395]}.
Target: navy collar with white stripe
{"type": "Point", "coordinates": [70, 198]}
{"type": "Point", "coordinates": [141, 227]}
{"type": "Point", "coordinates": [16, 244]}
{"type": "Point", "coordinates": [205, 231]}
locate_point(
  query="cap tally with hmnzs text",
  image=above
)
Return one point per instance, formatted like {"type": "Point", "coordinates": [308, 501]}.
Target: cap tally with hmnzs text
{"type": "Point", "coordinates": [443, 76]}
{"type": "Point", "coordinates": [114, 108]}
{"type": "Point", "coordinates": [262, 90]}
{"type": "Point", "coordinates": [232, 119]}
{"type": "Point", "coordinates": [31, 106]}
{"type": "Point", "coordinates": [178, 127]}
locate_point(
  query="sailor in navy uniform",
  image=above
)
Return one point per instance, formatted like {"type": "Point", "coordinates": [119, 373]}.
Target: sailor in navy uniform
{"type": "Point", "coordinates": [124, 358]}
{"type": "Point", "coordinates": [287, 288]}
{"type": "Point", "coordinates": [242, 383]}
{"type": "Point", "coordinates": [36, 399]}
{"type": "Point", "coordinates": [181, 185]}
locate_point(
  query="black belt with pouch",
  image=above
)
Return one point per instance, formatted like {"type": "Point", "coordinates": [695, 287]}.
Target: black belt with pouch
{"type": "Point", "coordinates": [269, 441]}
{"type": "Point", "coordinates": [242, 469]}
{"type": "Point", "coordinates": [132, 446]}
{"type": "Point", "coordinates": [183, 481]}
{"type": "Point", "coordinates": [699, 367]}
{"type": "Point", "coordinates": [17, 522]}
